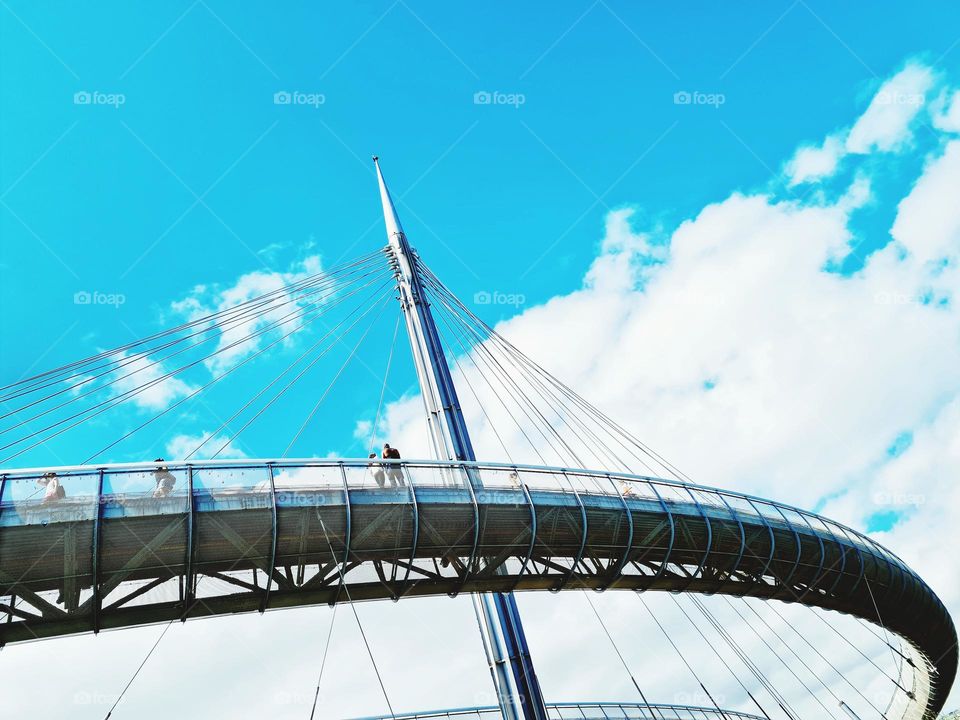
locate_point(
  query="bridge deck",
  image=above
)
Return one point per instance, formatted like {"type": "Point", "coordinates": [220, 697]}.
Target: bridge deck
{"type": "Point", "coordinates": [586, 711]}
{"type": "Point", "coordinates": [254, 535]}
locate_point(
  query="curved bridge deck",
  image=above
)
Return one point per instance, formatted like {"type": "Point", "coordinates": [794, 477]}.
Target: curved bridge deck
{"type": "Point", "coordinates": [225, 537]}
{"type": "Point", "coordinates": [586, 711]}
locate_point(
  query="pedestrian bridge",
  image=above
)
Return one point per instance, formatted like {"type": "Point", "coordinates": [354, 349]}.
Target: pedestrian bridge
{"type": "Point", "coordinates": [588, 711]}
{"type": "Point", "coordinates": [242, 536]}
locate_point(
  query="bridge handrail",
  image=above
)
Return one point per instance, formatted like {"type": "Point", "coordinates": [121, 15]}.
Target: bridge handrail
{"type": "Point", "coordinates": [691, 711]}
{"type": "Point", "coordinates": [250, 463]}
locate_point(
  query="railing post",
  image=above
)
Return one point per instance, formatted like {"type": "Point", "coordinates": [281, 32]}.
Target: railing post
{"type": "Point", "coordinates": [583, 539]}
{"type": "Point", "coordinates": [346, 537]}
{"type": "Point", "coordinates": [823, 559]}
{"type": "Point", "coordinates": [533, 530]}
{"type": "Point", "coordinates": [188, 584]}
{"type": "Point", "coordinates": [273, 539]}
{"type": "Point", "coordinates": [773, 539]}
{"type": "Point", "coordinates": [617, 569]}
{"type": "Point", "coordinates": [95, 556]}
{"type": "Point", "coordinates": [706, 554]}
{"type": "Point", "coordinates": [673, 532]}
{"type": "Point", "coordinates": [13, 599]}
{"type": "Point", "coordinates": [743, 536]}
{"type": "Point", "coordinates": [476, 531]}
{"type": "Point", "coordinates": [405, 470]}
{"type": "Point", "coordinates": [796, 538]}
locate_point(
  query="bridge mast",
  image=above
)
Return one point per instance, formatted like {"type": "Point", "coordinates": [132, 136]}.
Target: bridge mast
{"type": "Point", "coordinates": [518, 692]}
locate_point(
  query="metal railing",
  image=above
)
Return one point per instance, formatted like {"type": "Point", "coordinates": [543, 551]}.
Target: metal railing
{"type": "Point", "coordinates": [297, 481]}
{"type": "Point", "coordinates": [585, 711]}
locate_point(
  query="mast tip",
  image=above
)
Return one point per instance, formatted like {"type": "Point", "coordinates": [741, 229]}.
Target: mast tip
{"type": "Point", "coordinates": [376, 158]}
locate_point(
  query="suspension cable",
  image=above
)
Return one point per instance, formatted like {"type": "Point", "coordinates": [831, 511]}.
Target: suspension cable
{"type": "Point", "coordinates": [616, 649]}
{"type": "Point", "coordinates": [137, 671]}
{"type": "Point", "coordinates": [223, 328]}
{"type": "Point", "coordinates": [113, 402]}
{"type": "Point", "coordinates": [780, 658]}
{"type": "Point", "coordinates": [276, 379]}
{"type": "Point", "coordinates": [116, 400]}
{"type": "Point", "coordinates": [356, 615]}
{"type": "Point", "coordinates": [719, 656]}
{"type": "Point", "coordinates": [682, 657]}
{"type": "Point", "coordinates": [824, 658]}
{"type": "Point", "coordinates": [179, 328]}
{"type": "Point", "coordinates": [303, 372]}
{"type": "Point", "coordinates": [748, 662]}
{"type": "Point", "coordinates": [383, 388]}
{"type": "Point", "coordinates": [323, 662]}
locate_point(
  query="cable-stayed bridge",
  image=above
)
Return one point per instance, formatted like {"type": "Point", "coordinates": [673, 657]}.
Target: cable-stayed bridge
{"type": "Point", "coordinates": [575, 502]}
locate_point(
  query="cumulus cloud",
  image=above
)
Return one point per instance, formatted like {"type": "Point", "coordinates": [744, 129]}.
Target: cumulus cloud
{"type": "Point", "coordinates": [180, 446]}
{"type": "Point", "coordinates": [815, 162]}
{"type": "Point", "coordinates": [886, 124]}
{"type": "Point", "coordinates": [231, 347]}
{"type": "Point", "coordinates": [741, 353]}
{"type": "Point", "coordinates": [947, 116]}
{"type": "Point", "coordinates": [135, 372]}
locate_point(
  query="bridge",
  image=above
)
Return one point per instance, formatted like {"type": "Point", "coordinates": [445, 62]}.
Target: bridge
{"type": "Point", "coordinates": [242, 536]}
{"type": "Point", "coordinates": [589, 711]}
{"type": "Point", "coordinates": [105, 545]}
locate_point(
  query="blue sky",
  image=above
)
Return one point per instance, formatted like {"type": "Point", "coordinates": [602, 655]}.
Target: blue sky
{"type": "Point", "coordinates": [496, 197]}
{"type": "Point", "coordinates": [760, 282]}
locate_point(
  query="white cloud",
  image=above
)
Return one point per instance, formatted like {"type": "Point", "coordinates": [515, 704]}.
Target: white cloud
{"type": "Point", "coordinates": [182, 445]}
{"type": "Point", "coordinates": [813, 374]}
{"type": "Point", "coordinates": [811, 163]}
{"type": "Point", "coordinates": [886, 124]}
{"type": "Point", "coordinates": [928, 225]}
{"type": "Point", "coordinates": [362, 429]}
{"type": "Point", "coordinates": [947, 116]}
{"type": "Point", "coordinates": [231, 346]}
{"type": "Point", "coordinates": [137, 371]}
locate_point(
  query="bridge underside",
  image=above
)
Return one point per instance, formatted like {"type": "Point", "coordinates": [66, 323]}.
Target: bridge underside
{"type": "Point", "coordinates": [115, 552]}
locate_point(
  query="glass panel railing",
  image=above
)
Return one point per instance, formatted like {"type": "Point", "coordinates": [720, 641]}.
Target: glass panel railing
{"type": "Point", "coordinates": [52, 558]}
{"type": "Point", "coordinates": [49, 498]}
{"type": "Point", "coordinates": [138, 493]}
{"type": "Point", "coordinates": [143, 535]}
{"type": "Point", "coordinates": [308, 485]}
{"type": "Point", "coordinates": [436, 476]}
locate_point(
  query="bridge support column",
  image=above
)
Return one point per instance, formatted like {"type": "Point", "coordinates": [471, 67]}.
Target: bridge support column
{"type": "Point", "coordinates": [497, 614]}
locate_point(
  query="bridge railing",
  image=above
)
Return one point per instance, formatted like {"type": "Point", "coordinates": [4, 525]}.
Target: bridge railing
{"type": "Point", "coordinates": [159, 489]}
{"type": "Point", "coordinates": [586, 711]}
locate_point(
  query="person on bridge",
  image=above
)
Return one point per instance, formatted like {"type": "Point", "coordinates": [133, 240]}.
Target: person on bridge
{"type": "Point", "coordinates": [377, 470]}
{"type": "Point", "coordinates": [53, 489]}
{"type": "Point", "coordinates": [164, 478]}
{"type": "Point", "coordinates": [394, 471]}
